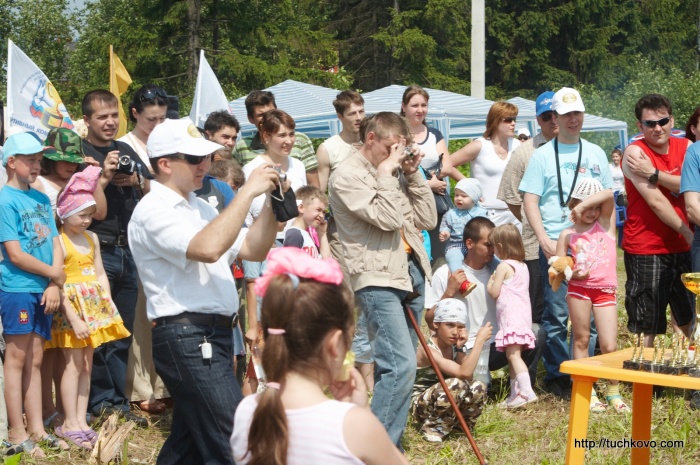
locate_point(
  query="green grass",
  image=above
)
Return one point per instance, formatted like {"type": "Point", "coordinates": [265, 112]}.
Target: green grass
{"type": "Point", "coordinates": [535, 435]}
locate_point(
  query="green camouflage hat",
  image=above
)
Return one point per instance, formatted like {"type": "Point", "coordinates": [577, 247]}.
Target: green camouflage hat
{"type": "Point", "coordinates": [68, 146]}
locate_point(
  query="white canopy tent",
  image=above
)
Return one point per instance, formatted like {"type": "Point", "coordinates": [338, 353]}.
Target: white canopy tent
{"type": "Point", "coordinates": [311, 107]}
{"type": "Point", "coordinates": [456, 116]}
{"type": "Point", "coordinates": [591, 123]}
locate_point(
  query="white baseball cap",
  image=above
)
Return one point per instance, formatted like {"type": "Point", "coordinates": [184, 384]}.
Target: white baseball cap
{"type": "Point", "coordinates": [179, 136]}
{"type": "Point", "coordinates": [567, 100]}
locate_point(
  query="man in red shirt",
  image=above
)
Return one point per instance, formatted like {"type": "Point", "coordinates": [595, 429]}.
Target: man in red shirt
{"type": "Point", "coordinates": [657, 238]}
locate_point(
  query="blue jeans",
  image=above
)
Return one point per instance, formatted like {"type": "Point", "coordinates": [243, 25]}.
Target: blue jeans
{"type": "Point", "coordinates": [393, 343]}
{"type": "Point", "coordinates": [205, 393]}
{"type": "Point", "coordinates": [555, 317]}
{"type": "Point", "coordinates": [108, 382]}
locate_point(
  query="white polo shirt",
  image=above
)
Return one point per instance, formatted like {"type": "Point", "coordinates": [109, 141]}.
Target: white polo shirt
{"type": "Point", "coordinates": [160, 230]}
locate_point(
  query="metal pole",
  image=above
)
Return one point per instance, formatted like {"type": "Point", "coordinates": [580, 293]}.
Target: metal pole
{"type": "Point", "coordinates": [441, 378]}
{"type": "Point", "coordinates": [478, 58]}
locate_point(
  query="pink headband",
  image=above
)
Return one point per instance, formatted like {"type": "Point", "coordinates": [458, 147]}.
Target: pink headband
{"type": "Point", "coordinates": [77, 195]}
{"type": "Point", "coordinates": [297, 262]}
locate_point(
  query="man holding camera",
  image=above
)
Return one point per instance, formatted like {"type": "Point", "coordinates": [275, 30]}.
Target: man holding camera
{"type": "Point", "coordinates": [380, 202]}
{"type": "Point", "coordinates": [183, 250]}
{"type": "Point", "coordinates": [101, 115]}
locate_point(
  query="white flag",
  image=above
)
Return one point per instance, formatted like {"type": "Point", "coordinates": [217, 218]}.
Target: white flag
{"type": "Point", "coordinates": [32, 101]}
{"type": "Point", "coordinates": [208, 94]}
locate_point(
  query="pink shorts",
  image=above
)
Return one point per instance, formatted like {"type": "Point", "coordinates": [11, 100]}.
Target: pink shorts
{"type": "Point", "coordinates": [598, 297]}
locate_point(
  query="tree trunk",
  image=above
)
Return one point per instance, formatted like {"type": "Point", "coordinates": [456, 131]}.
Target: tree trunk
{"type": "Point", "coordinates": [194, 8]}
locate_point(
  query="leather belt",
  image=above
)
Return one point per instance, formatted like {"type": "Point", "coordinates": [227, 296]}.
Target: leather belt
{"type": "Point", "coordinates": [198, 319]}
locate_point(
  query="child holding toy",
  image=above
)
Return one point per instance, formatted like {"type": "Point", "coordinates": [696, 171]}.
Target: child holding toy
{"type": "Point", "coordinates": [593, 284]}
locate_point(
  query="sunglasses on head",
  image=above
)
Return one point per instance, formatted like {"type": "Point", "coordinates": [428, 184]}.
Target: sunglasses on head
{"type": "Point", "coordinates": [509, 120]}
{"type": "Point", "coordinates": [650, 123]}
{"type": "Point", "coordinates": [151, 94]}
{"type": "Point", "coordinates": [190, 159]}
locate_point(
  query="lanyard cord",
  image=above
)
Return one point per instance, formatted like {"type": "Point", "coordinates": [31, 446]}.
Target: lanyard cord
{"type": "Point", "coordinates": [562, 203]}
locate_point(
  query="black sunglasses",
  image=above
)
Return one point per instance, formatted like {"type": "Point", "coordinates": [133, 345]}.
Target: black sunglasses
{"type": "Point", "coordinates": [650, 123]}
{"type": "Point", "coordinates": [547, 116]}
{"type": "Point", "coordinates": [151, 94]}
{"type": "Point", "coordinates": [190, 159]}
{"type": "Point", "coordinates": [509, 120]}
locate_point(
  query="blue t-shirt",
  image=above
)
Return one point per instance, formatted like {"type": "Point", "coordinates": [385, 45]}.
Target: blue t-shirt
{"type": "Point", "coordinates": [25, 216]}
{"type": "Point", "coordinates": [541, 179]}
{"type": "Point", "coordinates": [690, 174]}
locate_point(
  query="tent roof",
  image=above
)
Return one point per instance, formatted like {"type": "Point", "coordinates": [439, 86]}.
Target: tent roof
{"type": "Point", "coordinates": [310, 105]}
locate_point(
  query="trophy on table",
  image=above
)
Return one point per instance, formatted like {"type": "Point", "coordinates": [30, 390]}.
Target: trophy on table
{"type": "Point", "coordinates": [691, 281]}
{"type": "Point", "coordinates": [637, 360]}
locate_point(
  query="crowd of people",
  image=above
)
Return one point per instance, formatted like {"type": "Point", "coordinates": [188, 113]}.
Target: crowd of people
{"type": "Point", "coordinates": [124, 262]}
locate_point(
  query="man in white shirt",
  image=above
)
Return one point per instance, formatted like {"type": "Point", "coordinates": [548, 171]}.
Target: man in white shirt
{"type": "Point", "coordinates": [183, 252]}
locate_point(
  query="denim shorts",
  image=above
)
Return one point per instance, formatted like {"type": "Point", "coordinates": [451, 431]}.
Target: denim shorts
{"type": "Point", "coordinates": [22, 313]}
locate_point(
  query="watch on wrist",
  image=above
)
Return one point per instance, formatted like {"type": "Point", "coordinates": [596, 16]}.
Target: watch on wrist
{"type": "Point", "coordinates": [654, 178]}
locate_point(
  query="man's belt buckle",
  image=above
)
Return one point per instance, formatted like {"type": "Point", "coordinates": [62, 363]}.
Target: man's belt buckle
{"type": "Point", "coordinates": [121, 241]}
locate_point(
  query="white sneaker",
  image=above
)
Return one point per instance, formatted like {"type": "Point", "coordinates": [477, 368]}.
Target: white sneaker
{"type": "Point", "coordinates": [521, 399]}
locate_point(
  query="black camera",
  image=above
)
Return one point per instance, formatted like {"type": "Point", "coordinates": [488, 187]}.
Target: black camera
{"type": "Point", "coordinates": [125, 165]}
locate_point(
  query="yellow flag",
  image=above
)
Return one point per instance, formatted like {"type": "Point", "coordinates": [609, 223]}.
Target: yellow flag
{"type": "Point", "coordinates": [119, 81]}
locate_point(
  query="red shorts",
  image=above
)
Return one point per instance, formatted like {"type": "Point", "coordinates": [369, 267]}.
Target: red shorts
{"type": "Point", "coordinates": [598, 297]}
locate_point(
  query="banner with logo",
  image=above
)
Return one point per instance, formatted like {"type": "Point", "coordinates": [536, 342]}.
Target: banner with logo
{"type": "Point", "coordinates": [208, 94]}
{"type": "Point", "coordinates": [33, 103]}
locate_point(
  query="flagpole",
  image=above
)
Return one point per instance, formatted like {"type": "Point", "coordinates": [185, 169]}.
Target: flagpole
{"type": "Point", "coordinates": [111, 67]}
{"type": "Point", "coordinates": [198, 87]}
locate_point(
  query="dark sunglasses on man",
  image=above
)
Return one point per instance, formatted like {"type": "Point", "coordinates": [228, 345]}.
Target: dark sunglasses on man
{"type": "Point", "coordinates": [650, 123]}
{"type": "Point", "coordinates": [190, 159]}
{"type": "Point", "coordinates": [546, 116]}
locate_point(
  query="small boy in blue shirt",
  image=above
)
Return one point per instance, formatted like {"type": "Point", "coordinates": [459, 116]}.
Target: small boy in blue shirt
{"type": "Point", "coordinates": [466, 199]}
{"type": "Point", "coordinates": [31, 276]}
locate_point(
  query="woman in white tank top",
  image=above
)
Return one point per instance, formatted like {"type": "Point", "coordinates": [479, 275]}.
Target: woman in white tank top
{"type": "Point", "coordinates": [489, 156]}
{"type": "Point", "coordinates": [307, 318]}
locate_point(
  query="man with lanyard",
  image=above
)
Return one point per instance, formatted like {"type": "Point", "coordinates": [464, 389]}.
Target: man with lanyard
{"type": "Point", "coordinates": [183, 251]}
{"type": "Point", "coordinates": [656, 238]}
{"type": "Point", "coordinates": [381, 202]}
{"type": "Point", "coordinates": [257, 103]}
{"type": "Point", "coordinates": [509, 193]}
{"type": "Point", "coordinates": [547, 185]}
{"type": "Point", "coordinates": [108, 384]}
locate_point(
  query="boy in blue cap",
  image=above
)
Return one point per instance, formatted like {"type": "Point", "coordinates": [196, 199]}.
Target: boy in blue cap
{"type": "Point", "coordinates": [31, 276]}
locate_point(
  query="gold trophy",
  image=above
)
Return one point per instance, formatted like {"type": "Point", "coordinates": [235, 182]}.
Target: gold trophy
{"type": "Point", "coordinates": [691, 281]}
{"type": "Point", "coordinates": [635, 363]}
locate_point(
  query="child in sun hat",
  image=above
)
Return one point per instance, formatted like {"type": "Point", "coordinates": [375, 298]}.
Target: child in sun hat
{"type": "Point", "coordinates": [430, 405]}
{"type": "Point", "coordinates": [466, 199]}
{"type": "Point", "coordinates": [89, 316]}
{"type": "Point", "coordinates": [593, 285]}
{"type": "Point", "coordinates": [31, 275]}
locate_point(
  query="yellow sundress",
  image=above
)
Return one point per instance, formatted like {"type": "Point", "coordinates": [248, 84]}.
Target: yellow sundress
{"type": "Point", "coordinates": [89, 300]}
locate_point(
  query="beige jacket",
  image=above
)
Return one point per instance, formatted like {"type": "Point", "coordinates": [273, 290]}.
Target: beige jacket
{"type": "Point", "coordinates": [371, 213]}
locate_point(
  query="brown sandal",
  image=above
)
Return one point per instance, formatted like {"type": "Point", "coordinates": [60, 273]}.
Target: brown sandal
{"type": "Point", "coordinates": [153, 407]}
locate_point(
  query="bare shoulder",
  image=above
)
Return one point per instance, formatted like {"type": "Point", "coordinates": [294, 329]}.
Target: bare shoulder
{"type": "Point", "coordinates": [367, 439]}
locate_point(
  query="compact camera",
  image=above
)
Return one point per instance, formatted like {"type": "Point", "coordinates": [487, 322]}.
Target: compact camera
{"type": "Point", "coordinates": [281, 175]}
{"type": "Point", "coordinates": [125, 165]}
{"type": "Point", "coordinates": [408, 151]}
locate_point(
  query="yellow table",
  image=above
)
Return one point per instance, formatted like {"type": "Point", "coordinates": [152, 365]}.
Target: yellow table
{"type": "Point", "coordinates": [586, 371]}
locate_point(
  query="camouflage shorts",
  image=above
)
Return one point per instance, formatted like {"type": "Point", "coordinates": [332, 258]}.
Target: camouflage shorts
{"type": "Point", "coordinates": [433, 411]}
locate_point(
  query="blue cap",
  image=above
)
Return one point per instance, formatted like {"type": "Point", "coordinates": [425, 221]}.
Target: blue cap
{"type": "Point", "coordinates": [544, 102]}
{"type": "Point", "coordinates": [24, 143]}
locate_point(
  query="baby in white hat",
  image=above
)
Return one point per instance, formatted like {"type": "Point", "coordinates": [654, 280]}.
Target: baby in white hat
{"type": "Point", "coordinates": [466, 199]}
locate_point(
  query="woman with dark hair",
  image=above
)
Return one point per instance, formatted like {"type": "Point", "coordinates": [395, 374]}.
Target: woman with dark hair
{"type": "Point", "coordinates": [308, 319]}
{"type": "Point", "coordinates": [692, 129]}
{"type": "Point", "coordinates": [489, 156]}
{"type": "Point", "coordinates": [147, 109]}
{"type": "Point", "coordinates": [144, 387]}
{"type": "Point", "coordinates": [616, 170]}
{"type": "Point", "coordinates": [414, 107]}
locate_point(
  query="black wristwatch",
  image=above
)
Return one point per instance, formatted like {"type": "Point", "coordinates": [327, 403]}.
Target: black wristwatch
{"type": "Point", "coordinates": [654, 178]}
